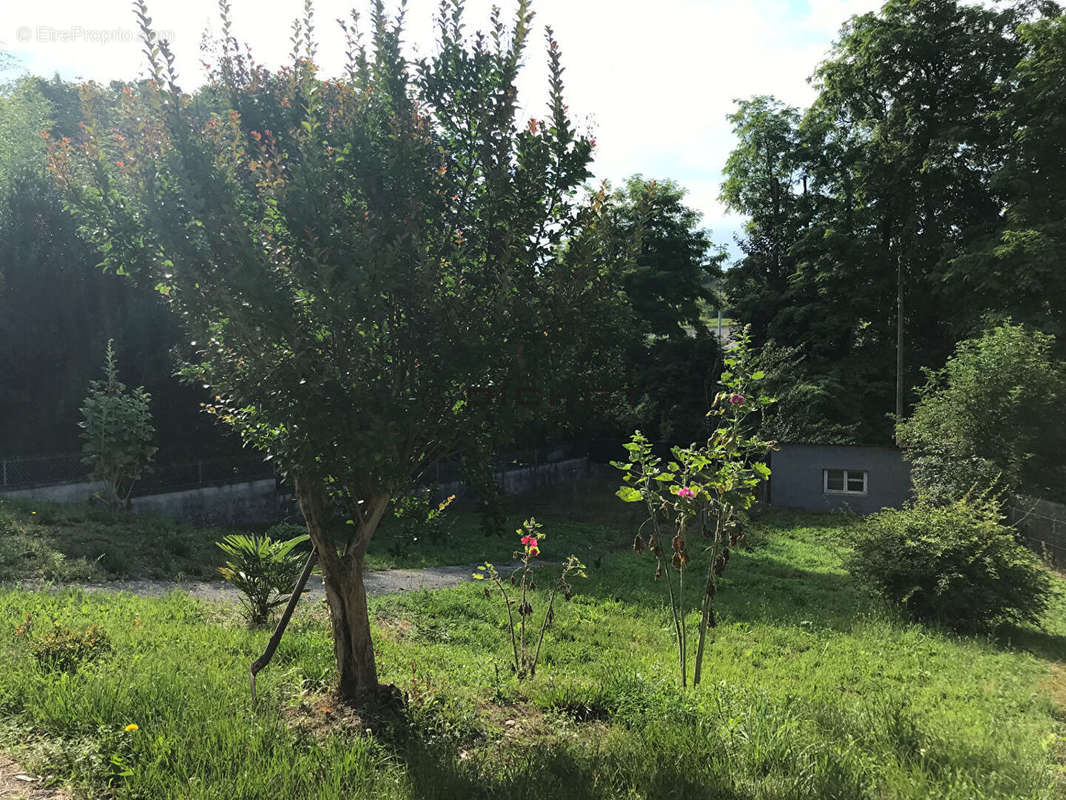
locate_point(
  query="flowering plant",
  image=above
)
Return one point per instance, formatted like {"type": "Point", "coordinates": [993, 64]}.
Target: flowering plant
{"type": "Point", "coordinates": [525, 657]}
{"type": "Point", "coordinates": [704, 491]}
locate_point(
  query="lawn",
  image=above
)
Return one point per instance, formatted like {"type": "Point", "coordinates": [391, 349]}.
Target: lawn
{"type": "Point", "coordinates": [66, 543]}
{"type": "Point", "coordinates": [812, 689]}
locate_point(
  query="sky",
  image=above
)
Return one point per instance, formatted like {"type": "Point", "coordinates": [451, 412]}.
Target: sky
{"type": "Point", "coordinates": [652, 81]}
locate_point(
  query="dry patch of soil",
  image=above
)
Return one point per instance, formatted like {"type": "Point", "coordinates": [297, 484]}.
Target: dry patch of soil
{"type": "Point", "coordinates": [18, 784]}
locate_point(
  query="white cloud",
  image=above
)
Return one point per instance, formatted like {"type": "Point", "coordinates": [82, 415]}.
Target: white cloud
{"type": "Point", "coordinates": [654, 80]}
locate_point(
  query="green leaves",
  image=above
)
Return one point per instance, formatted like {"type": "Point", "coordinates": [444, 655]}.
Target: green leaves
{"type": "Point", "coordinates": [117, 433]}
{"type": "Point", "coordinates": [715, 480]}
{"type": "Point", "coordinates": [263, 569]}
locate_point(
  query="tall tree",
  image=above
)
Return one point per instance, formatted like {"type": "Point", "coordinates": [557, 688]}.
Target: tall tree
{"type": "Point", "coordinates": [672, 360]}
{"type": "Point", "coordinates": [870, 200]}
{"type": "Point", "coordinates": [763, 181]}
{"type": "Point", "coordinates": [368, 270]}
{"type": "Point", "coordinates": [1014, 266]}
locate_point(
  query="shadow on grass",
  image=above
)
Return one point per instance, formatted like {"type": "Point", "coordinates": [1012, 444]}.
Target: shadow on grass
{"type": "Point", "coordinates": [564, 771]}
{"type": "Point", "coordinates": [1048, 646]}
{"type": "Point", "coordinates": [757, 587]}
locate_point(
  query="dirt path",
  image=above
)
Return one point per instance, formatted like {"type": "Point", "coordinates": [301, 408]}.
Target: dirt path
{"type": "Point", "coordinates": [386, 581]}
{"type": "Point", "coordinates": [17, 784]}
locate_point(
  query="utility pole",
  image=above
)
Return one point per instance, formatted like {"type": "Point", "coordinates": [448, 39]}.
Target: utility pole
{"type": "Point", "coordinates": [899, 341]}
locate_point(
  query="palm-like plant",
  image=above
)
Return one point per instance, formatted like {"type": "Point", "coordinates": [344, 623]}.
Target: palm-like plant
{"type": "Point", "coordinates": [263, 569]}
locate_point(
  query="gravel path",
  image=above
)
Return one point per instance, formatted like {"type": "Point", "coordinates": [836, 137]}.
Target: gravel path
{"type": "Point", "coordinates": [385, 581]}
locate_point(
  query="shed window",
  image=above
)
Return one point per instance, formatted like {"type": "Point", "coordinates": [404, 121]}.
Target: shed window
{"type": "Point", "coordinates": [844, 481]}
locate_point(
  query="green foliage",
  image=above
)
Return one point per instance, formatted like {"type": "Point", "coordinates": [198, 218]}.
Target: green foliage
{"type": "Point", "coordinates": [955, 565]}
{"type": "Point", "coordinates": [63, 649]}
{"type": "Point", "coordinates": [117, 431]}
{"type": "Point", "coordinates": [806, 402]}
{"type": "Point", "coordinates": [263, 569]}
{"type": "Point", "coordinates": [671, 360]}
{"type": "Point", "coordinates": [420, 520]}
{"type": "Point", "coordinates": [816, 692]}
{"type": "Point", "coordinates": [672, 266]}
{"type": "Point", "coordinates": [989, 416]}
{"type": "Point", "coordinates": [525, 655]}
{"type": "Point", "coordinates": [703, 493]}
{"type": "Point", "coordinates": [370, 272]}
{"type": "Point", "coordinates": [911, 169]}
{"type": "Point", "coordinates": [58, 309]}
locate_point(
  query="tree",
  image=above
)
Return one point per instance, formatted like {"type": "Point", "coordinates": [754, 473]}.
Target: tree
{"type": "Point", "coordinates": [369, 270]}
{"type": "Point", "coordinates": [1014, 268]}
{"type": "Point", "coordinates": [762, 181]}
{"type": "Point", "coordinates": [990, 416]}
{"type": "Point", "coordinates": [58, 310]}
{"type": "Point", "coordinates": [672, 360]}
{"type": "Point", "coordinates": [866, 209]}
{"type": "Point", "coordinates": [117, 431]}
{"type": "Point", "coordinates": [667, 282]}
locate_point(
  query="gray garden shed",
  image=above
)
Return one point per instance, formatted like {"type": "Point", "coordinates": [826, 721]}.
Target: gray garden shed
{"type": "Point", "coordinates": [817, 477]}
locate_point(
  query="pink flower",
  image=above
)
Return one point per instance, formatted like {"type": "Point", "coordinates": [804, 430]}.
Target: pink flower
{"type": "Point", "coordinates": [685, 491]}
{"type": "Point", "coordinates": [736, 399]}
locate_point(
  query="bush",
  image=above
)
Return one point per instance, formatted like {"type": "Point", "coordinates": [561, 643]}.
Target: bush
{"type": "Point", "coordinates": [263, 569]}
{"type": "Point", "coordinates": [420, 520]}
{"type": "Point", "coordinates": [987, 416]}
{"type": "Point", "coordinates": [954, 564]}
{"type": "Point", "coordinates": [63, 649]}
{"type": "Point", "coordinates": [117, 431]}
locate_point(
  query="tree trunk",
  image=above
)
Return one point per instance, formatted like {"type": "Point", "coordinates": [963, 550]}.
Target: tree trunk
{"type": "Point", "coordinates": [352, 645]}
{"type": "Point", "coordinates": [345, 592]}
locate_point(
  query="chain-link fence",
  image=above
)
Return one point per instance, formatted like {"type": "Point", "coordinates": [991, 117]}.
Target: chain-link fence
{"type": "Point", "coordinates": [1043, 526]}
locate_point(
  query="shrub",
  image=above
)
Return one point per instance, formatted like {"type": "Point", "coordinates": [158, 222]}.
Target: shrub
{"type": "Point", "coordinates": [986, 417]}
{"type": "Point", "coordinates": [63, 649]}
{"type": "Point", "coordinates": [954, 564]}
{"type": "Point", "coordinates": [525, 655]}
{"type": "Point", "coordinates": [419, 517]}
{"type": "Point", "coordinates": [117, 431]}
{"type": "Point", "coordinates": [263, 569]}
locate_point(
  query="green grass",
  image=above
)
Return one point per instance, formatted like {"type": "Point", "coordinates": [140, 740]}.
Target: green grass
{"type": "Point", "coordinates": [812, 689]}
{"type": "Point", "coordinates": [65, 543]}
{"type": "Point", "coordinates": [56, 542]}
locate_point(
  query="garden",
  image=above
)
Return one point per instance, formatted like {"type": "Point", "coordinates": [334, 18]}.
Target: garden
{"type": "Point", "coordinates": [380, 281]}
{"type": "Point", "coordinates": [813, 686]}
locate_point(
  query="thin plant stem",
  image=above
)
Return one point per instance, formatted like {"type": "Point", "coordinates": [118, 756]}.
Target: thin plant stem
{"type": "Point", "coordinates": [522, 616]}
{"type": "Point", "coordinates": [543, 628]}
{"type": "Point", "coordinates": [705, 606]}
{"type": "Point", "coordinates": [670, 589]}
{"type": "Point", "coordinates": [510, 621]}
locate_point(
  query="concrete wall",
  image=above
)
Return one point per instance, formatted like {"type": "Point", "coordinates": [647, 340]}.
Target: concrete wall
{"type": "Point", "coordinates": [255, 502]}
{"type": "Point", "coordinates": [796, 479]}
{"type": "Point", "coordinates": [248, 503]}
{"type": "Point", "coordinates": [56, 493]}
